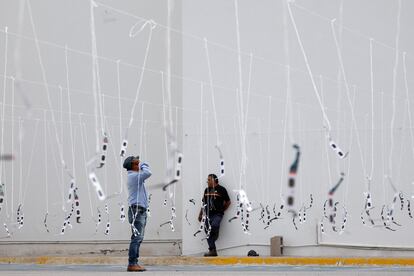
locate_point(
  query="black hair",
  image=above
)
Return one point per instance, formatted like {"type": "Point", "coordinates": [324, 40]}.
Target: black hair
{"type": "Point", "coordinates": [215, 178]}
{"type": "Point", "coordinates": [128, 162]}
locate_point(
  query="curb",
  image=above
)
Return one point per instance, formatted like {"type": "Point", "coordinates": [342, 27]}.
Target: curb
{"type": "Point", "coordinates": [164, 261]}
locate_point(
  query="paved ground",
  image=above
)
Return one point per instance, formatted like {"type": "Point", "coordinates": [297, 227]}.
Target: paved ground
{"type": "Point", "coordinates": [223, 270]}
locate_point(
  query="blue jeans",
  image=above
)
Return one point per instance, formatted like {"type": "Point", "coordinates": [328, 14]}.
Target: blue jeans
{"type": "Point", "coordinates": [215, 220]}
{"type": "Point", "coordinates": [136, 239]}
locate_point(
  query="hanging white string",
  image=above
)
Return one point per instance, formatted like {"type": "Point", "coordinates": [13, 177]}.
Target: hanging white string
{"type": "Point", "coordinates": [133, 33]}
{"type": "Point", "coordinates": [327, 124]}
{"type": "Point", "coordinates": [410, 127]}
{"type": "Point", "coordinates": [240, 90]}
{"type": "Point", "coordinates": [118, 165]}
{"type": "Point", "coordinates": [228, 48]}
{"type": "Point", "coordinates": [96, 83]}
{"type": "Point", "coordinates": [12, 133]}
{"type": "Point", "coordinates": [394, 87]}
{"type": "Point", "coordinates": [263, 195]}
{"type": "Point", "coordinates": [43, 71]}
{"type": "Point", "coordinates": [84, 141]}
{"type": "Point", "coordinates": [269, 126]}
{"type": "Point", "coordinates": [141, 132]}
{"type": "Point", "coordinates": [70, 112]}
{"type": "Point", "coordinates": [402, 147]}
{"type": "Point", "coordinates": [382, 147]}
{"type": "Point", "coordinates": [326, 149]}
{"type": "Point", "coordinates": [22, 196]}
{"type": "Point", "coordinates": [325, 116]}
{"type": "Point", "coordinates": [121, 181]}
{"type": "Point", "coordinates": [408, 101]}
{"type": "Point", "coordinates": [201, 155]}
{"type": "Point", "coordinates": [49, 43]}
{"type": "Point", "coordinates": [201, 136]}
{"type": "Point", "coordinates": [372, 112]}
{"type": "Point", "coordinates": [152, 27]}
{"type": "Point", "coordinates": [62, 170]}
{"type": "Point", "coordinates": [338, 76]}
{"type": "Point", "coordinates": [248, 93]}
{"type": "Point", "coordinates": [17, 47]}
{"type": "Point", "coordinates": [164, 117]}
{"type": "Point", "coordinates": [351, 140]}
{"type": "Point", "coordinates": [4, 102]}
{"type": "Point", "coordinates": [285, 122]}
{"type": "Point", "coordinates": [341, 63]}
{"type": "Point", "coordinates": [56, 164]}
{"type": "Point", "coordinates": [46, 170]}
{"type": "Point", "coordinates": [213, 101]}
{"type": "Point", "coordinates": [243, 129]}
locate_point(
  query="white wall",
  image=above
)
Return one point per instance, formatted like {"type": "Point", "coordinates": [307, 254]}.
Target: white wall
{"type": "Point", "coordinates": [59, 24]}
{"type": "Point", "coordinates": [269, 138]}
{"type": "Point", "coordinates": [269, 135]}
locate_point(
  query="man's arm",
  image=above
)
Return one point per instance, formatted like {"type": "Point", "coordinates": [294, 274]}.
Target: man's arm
{"type": "Point", "coordinates": [226, 205]}
{"type": "Point", "coordinates": [200, 215]}
{"type": "Point", "coordinates": [226, 199]}
{"type": "Point", "coordinates": [144, 171]}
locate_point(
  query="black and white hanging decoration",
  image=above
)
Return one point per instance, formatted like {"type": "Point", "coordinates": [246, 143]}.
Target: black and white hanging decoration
{"type": "Point", "coordinates": [331, 211]}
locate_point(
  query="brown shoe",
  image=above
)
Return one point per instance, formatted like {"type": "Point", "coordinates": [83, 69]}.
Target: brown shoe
{"type": "Point", "coordinates": [136, 268]}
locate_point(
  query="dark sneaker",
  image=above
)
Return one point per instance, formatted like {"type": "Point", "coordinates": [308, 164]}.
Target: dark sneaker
{"type": "Point", "coordinates": [136, 268]}
{"type": "Point", "coordinates": [211, 253]}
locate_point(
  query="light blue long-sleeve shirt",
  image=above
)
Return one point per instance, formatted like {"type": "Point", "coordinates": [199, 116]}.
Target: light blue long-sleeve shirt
{"type": "Point", "coordinates": [137, 194]}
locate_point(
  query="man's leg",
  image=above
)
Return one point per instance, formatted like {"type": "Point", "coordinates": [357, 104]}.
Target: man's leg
{"type": "Point", "coordinates": [136, 237]}
{"type": "Point", "coordinates": [215, 221]}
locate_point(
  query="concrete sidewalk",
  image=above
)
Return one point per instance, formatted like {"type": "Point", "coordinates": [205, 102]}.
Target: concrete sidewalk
{"type": "Point", "coordinates": [215, 261]}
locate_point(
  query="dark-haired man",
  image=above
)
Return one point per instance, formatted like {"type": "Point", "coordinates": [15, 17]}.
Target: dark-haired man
{"type": "Point", "coordinates": [138, 204]}
{"type": "Point", "coordinates": [217, 200]}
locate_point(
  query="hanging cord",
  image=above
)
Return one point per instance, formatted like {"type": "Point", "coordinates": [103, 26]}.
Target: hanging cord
{"type": "Point", "coordinates": [203, 206]}
{"type": "Point", "coordinates": [394, 87]}
{"type": "Point", "coordinates": [349, 97]}
{"type": "Point", "coordinates": [325, 116]}
{"type": "Point", "coordinates": [84, 144]}
{"type": "Point", "coordinates": [4, 104]}
{"type": "Point", "coordinates": [351, 141]}
{"type": "Point", "coordinates": [96, 81]}
{"type": "Point", "coordinates": [121, 179]}
{"type": "Point", "coordinates": [243, 118]}
{"type": "Point", "coordinates": [45, 83]}
{"type": "Point", "coordinates": [330, 180]}
{"type": "Point", "coordinates": [174, 156]}
{"type": "Point", "coordinates": [61, 184]}
{"type": "Point", "coordinates": [213, 101]}
{"type": "Point", "coordinates": [22, 196]}
{"type": "Point", "coordinates": [46, 173]}
{"type": "Point", "coordinates": [408, 104]}
{"type": "Point", "coordinates": [70, 112]}
{"type": "Point", "coordinates": [152, 26]}
{"type": "Point", "coordinates": [12, 143]}
{"type": "Point", "coordinates": [327, 123]}
{"type": "Point", "coordinates": [369, 176]}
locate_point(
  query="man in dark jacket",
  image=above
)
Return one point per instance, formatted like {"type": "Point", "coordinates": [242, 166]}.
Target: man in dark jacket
{"type": "Point", "coordinates": [216, 200]}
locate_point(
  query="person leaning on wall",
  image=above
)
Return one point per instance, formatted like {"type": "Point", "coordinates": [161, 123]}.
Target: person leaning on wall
{"type": "Point", "coordinates": [216, 201]}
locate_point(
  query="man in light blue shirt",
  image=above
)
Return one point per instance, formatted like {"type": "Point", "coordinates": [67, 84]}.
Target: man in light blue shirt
{"type": "Point", "coordinates": [138, 204]}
